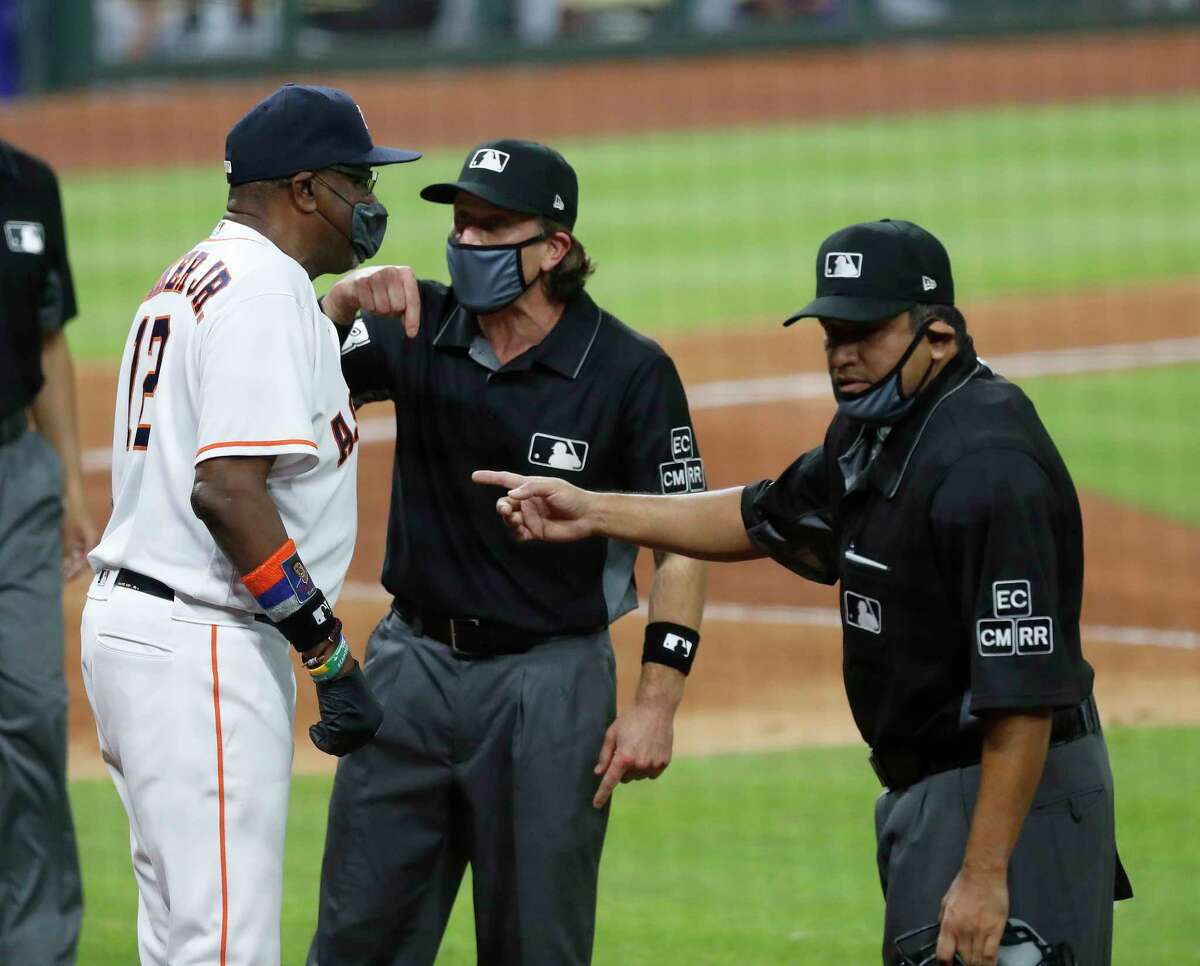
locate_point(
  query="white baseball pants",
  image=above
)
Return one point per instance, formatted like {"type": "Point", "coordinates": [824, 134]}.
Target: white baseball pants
{"type": "Point", "coordinates": [195, 724]}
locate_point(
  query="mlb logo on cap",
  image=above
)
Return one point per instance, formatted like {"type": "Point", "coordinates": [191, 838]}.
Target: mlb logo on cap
{"type": "Point", "coordinates": [843, 265]}
{"type": "Point", "coordinates": [516, 175]}
{"type": "Point", "coordinates": [490, 159]}
{"type": "Point", "coordinates": [27, 237]}
{"type": "Point", "coordinates": [877, 269]}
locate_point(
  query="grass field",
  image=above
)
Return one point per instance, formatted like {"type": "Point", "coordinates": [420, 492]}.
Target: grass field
{"type": "Point", "coordinates": [1129, 435]}
{"type": "Point", "coordinates": [719, 225]}
{"type": "Point", "coordinates": [768, 858]}
{"type": "Point", "coordinates": [755, 859]}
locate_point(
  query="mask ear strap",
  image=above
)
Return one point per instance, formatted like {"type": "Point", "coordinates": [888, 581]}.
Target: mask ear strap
{"type": "Point", "coordinates": [918, 338]}
{"type": "Point", "coordinates": [540, 237]}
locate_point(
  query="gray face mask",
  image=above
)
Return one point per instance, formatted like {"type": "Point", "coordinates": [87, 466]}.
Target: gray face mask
{"type": "Point", "coordinates": [884, 402]}
{"type": "Point", "coordinates": [486, 278]}
{"type": "Point", "coordinates": [367, 228]}
{"type": "Point", "coordinates": [368, 225]}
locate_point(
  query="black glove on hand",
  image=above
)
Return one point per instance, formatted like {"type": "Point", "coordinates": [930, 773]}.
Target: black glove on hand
{"type": "Point", "coordinates": [350, 715]}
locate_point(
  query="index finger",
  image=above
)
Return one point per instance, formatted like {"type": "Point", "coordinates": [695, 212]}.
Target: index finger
{"type": "Point", "coordinates": [947, 946]}
{"type": "Point", "coordinates": [611, 779]}
{"type": "Point", "coordinates": [412, 303]}
{"type": "Point", "coordinates": [510, 481]}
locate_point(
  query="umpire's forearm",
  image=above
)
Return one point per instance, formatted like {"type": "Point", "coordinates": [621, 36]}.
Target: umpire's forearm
{"type": "Point", "coordinates": [677, 593]}
{"type": "Point", "coordinates": [1014, 756]}
{"type": "Point", "coordinates": [55, 414]}
{"type": "Point", "coordinates": [707, 526]}
{"type": "Point", "coordinates": [676, 596]}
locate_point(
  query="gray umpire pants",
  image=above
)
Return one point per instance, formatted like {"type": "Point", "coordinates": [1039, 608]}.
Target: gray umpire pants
{"type": "Point", "coordinates": [40, 899]}
{"type": "Point", "coordinates": [1061, 874]}
{"type": "Point", "coordinates": [480, 761]}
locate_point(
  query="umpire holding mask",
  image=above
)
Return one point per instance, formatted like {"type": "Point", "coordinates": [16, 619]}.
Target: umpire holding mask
{"type": "Point", "coordinates": [940, 505]}
{"type": "Point", "coordinates": [499, 747]}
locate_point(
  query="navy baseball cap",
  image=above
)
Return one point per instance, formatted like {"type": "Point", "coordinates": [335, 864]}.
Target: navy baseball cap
{"type": "Point", "coordinates": [517, 175]}
{"type": "Point", "coordinates": [302, 128]}
{"type": "Point", "coordinates": [875, 270]}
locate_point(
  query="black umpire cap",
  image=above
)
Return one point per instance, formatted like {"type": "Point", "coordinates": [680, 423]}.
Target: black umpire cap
{"type": "Point", "coordinates": [516, 175]}
{"type": "Point", "coordinates": [302, 128]}
{"type": "Point", "coordinates": [876, 270]}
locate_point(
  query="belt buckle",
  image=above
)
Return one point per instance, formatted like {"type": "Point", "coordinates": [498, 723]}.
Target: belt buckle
{"type": "Point", "coordinates": [454, 622]}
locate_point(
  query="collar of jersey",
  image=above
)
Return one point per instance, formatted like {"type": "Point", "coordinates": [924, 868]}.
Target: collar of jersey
{"type": "Point", "coordinates": [234, 229]}
{"type": "Point", "coordinates": [564, 350]}
{"type": "Point", "coordinates": [887, 469]}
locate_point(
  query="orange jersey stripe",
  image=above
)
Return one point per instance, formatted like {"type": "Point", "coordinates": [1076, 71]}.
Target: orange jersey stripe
{"type": "Point", "coordinates": [257, 442]}
{"type": "Point", "coordinates": [267, 574]}
{"type": "Point", "coordinates": [220, 798]}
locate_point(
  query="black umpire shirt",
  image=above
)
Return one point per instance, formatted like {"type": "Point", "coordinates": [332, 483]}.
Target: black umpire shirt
{"type": "Point", "coordinates": [36, 293]}
{"type": "Point", "coordinates": [959, 546]}
{"type": "Point", "coordinates": [594, 403]}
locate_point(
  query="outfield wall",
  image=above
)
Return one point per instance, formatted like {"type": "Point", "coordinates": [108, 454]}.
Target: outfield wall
{"type": "Point", "coordinates": [77, 43]}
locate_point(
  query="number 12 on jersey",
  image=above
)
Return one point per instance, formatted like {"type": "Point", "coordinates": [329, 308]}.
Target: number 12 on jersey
{"type": "Point", "coordinates": [137, 435]}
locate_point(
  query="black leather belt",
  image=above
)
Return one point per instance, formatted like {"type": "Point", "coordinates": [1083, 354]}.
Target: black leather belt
{"type": "Point", "coordinates": [132, 580]}
{"type": "Point", "coordinates": [900, 767]}
{"type": "Point", "coordinates": [12, 426]}
{"type": "Point", "coordinates": [467, 637]}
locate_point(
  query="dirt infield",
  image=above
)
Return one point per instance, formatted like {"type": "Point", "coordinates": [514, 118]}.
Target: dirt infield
{"type": "Point", "coordinates": [1140, 569]}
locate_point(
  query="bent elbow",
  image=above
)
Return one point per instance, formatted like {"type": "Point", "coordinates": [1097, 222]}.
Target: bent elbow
{"type": "Point", "coordinates": [208, 499]}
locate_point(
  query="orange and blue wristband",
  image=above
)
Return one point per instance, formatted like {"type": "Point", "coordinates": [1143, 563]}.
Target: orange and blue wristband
{"type": "Point", "coordinates": [285, 591]}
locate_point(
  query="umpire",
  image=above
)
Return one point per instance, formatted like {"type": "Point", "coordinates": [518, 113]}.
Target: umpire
{"type": "Point", "coordinates": [499, 746]}
{"type": "Point", "coordinates": [943, 508]}
{"type": "Point", "coordinates": [45, 532]}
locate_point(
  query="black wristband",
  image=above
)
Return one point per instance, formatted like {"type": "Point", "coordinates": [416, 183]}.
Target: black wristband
{"type": "Point", "coordinates": [671, 644]}
{"type": "Point", "coordinates": [309, 625]}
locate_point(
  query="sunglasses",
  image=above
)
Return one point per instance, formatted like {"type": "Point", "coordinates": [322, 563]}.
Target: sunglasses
{"type": "Point", "coordinates": [364, 179]}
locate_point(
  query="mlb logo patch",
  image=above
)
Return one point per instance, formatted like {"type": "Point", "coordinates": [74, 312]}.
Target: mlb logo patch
{"type": "Point", "coordinates": [1011, 598]}
{"type": "Point", "coordinates": [843, 265]}
{"type": "Point", "coordinates": [865, 613]}
{"type": "Point", "coordinates": [25, 237]}
{"type": "Point", "coordinates": [677, 644]}
{"type": "Point", "coordinates": [558, 452]}
{"type": "Point", "coordinates": [490, 160]}
{"type": "Point", "coordinates": [996, 637]}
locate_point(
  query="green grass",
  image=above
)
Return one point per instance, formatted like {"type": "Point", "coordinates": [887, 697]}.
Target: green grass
{"type": "Point", "coordinates": [762, 859]}
{"type": "Point", "coordinates": [1131, 436]}
{"type": "Point", "coordinates": [720, 225]}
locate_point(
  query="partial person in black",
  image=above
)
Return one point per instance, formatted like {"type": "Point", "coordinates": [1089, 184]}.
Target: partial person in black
{"type": "Point", "coordinates": [45, 533]}
{"type": "Point", "coordinates": [941, 505]}
{"type": "Point", "coordinates": [499, 746]}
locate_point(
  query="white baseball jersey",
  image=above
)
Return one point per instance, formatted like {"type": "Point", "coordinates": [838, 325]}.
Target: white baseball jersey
{"type": "Point", "coordinates": [230, 355]}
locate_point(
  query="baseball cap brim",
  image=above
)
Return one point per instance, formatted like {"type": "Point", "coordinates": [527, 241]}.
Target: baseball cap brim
{"type": "Point", "coordinates": [445, 192]}
{"type": "Point", "coordinates": [379, 156]}
{"type": "Point", "coordinates": [852, 308]}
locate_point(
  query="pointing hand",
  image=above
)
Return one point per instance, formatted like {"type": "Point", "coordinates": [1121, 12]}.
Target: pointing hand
{"type": "Point", "coordinates": [541, 507]}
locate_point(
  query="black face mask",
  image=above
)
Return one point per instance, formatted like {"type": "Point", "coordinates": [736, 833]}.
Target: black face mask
{"type": "Point", "coordinates": [884, 402]}
{"type": "Point", "coordinates": [486, 278]}
{"type": "Point", "coordinates": [368, 225]}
